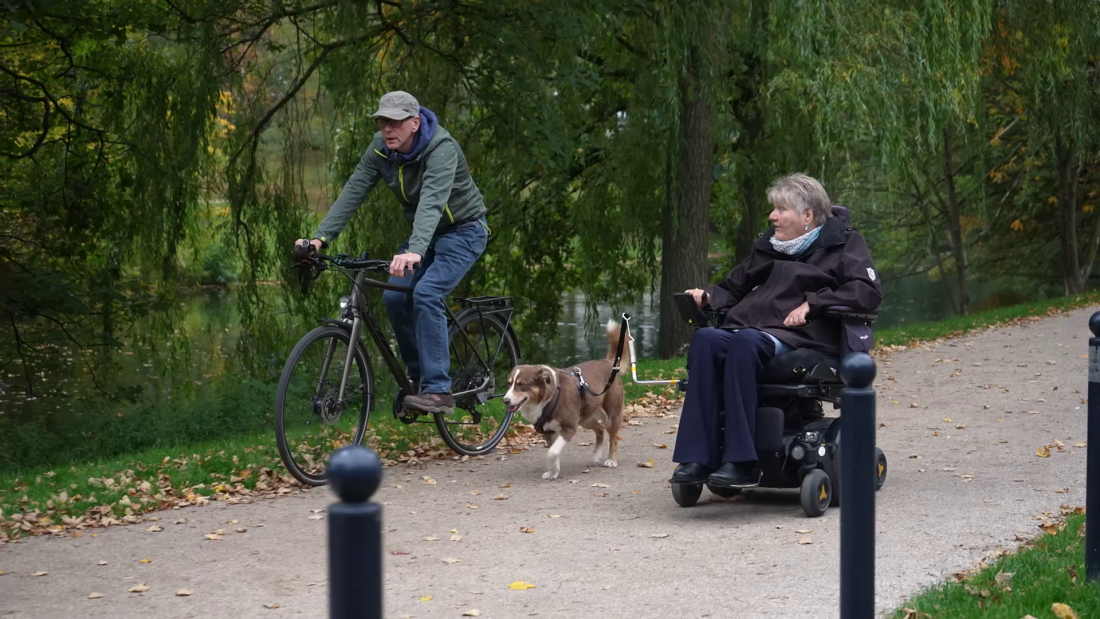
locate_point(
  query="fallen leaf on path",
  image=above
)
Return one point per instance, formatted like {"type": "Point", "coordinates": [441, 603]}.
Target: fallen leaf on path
{"type": "Point", "coordinates": [431, 539]}
{"type": "Point", "coordinates": [428, 480]}
{"type": "Point", "coordinates": [1043, 452]}
{"type": "Point", "coordinates": [553, 515]}
{"type": "Point", "coordinates": [1080, 444]}
{"type": "Point", "coordinates": [213, 537]}
{"type": "Point", "coordinates": [95, 595]}
{"type": "Point", "coordinates": [456, 538]}
{"type": "Point", "coordinates": [805, 541]}
{"type": "Point", "coordinates": [600, 486]}
{"type": "Point", "coordinates": [1062, 611]}
{"type": "Point", "coordinates": [1061, 491]}
{"type": "Point", "coordinates": [474, 492]}
{"type": "Point", "coordinates": [506, 485]}
{"type": "Point", "coordinates": [960, 427]}
{"type": "Point", "coordinates": [502, 497]}
{"type": "Point", "coordinates": [141, 561]}
{"type": "Point", "coordinates": [426, 598]}
{"type": "Point", "coordinates": [316, 517]}
{"type": "Point", "coordinates": [102, 563]}
{"type": "Point", "coordinates": [473, 612]}
{"type": "Point", "coordinates": [272, 605]}
{"type": "Point", "coordinates": [914, 457]}
{"type": "Point", "coordinates": [240, 529]}
{"type": "Point", "coordinates": [804, 531]}
{"type": "Point", "coordinates": [40, 574]}
{"type": "Point", "coordinates": [527, 529]}
{"type": "Point", "coordinates": [399, 552]}
{"type": "Point", "coordinates": [450, 560]}
{"type": "Point", "coordinates": [519, 585]}
{"type": "Point", "coordinates": [181, 521]}
{"type": "Point", "coordinates": [660, 445]}
{"type": "Point", "coordinates": [142, 588]}
{"type": "Point", "coordinates": [947, 420]}
{"type": "Point", "coordinates": [660, 535]}
{"type": "Point", "coordinates": [471, 506]}
{"type": "Point", "coordinates": [183, 592]}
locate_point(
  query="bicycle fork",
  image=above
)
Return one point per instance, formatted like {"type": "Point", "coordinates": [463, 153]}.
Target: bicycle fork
{"type": "Point", "coordinates": [356, 328]}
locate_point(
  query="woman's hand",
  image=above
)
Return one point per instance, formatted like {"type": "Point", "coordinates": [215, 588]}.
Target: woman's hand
{"type": "Point", "coordinates": [797, 317]}
{"type": "Point", "coordinates": [696, 294]}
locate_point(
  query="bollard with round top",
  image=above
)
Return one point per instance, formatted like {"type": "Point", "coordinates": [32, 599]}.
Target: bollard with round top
{"type": "Point", "coordinates": [857, 477]}
{"type": "Point", "coordinates": [1092, 471]}
{"type": "Point", "coordinates": [355, 535]}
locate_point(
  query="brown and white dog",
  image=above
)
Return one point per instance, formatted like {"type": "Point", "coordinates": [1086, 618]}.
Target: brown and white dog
{"type": "Point", "coordinates": [552, 400]}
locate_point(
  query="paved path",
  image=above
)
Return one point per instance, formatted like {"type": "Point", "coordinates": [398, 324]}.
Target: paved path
{"type": "Point", "coordinates": [970, 492]}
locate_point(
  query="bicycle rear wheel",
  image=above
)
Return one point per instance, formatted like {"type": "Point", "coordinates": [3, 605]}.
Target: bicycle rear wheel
{"type": "Point", "coordinates": [480, 419]}
{"type": "Point", "coordinates": [310, 421]}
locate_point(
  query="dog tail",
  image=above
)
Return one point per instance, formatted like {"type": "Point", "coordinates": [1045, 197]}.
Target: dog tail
{"type": "Point", "coordinates": [613, 331]}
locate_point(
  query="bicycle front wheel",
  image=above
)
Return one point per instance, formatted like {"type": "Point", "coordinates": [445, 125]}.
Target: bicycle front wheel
{"type": "Point", "coordinates": [483, 353]}
{"type": "Point", "coordinates": [311, 420]}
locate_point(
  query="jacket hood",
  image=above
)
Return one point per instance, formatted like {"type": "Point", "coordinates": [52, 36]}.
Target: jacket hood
{"type": "Point", "coordinates": [428, 125]}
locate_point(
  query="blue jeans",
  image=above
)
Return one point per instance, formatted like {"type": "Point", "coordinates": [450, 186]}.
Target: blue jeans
{"type": "Point", "coordinates": [419, 320]}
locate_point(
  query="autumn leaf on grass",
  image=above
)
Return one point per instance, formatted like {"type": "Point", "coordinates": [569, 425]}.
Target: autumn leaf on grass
{"type": "Point", "coordinates": [519, 585]}
{"type": "Point", "coordinates": [1062, 611]}
{"type": "Point", "coordinates": [142, 588]}
{"type": "Point", "coordinates": [1043, 452]}
{"type": "Point", "coordinates": [1003, 579]}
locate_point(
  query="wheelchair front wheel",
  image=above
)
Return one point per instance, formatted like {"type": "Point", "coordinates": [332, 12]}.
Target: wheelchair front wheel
{"type": "Point", "coordinates": [817, 493]}
{"type": "Point", "coordinates": [687, 495]}
{"type": "Point", "coordinates": [881, 468]}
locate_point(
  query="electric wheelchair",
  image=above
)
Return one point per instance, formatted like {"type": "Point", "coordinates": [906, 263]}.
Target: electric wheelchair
{"type": "Point", "coordinates": [797, 446]}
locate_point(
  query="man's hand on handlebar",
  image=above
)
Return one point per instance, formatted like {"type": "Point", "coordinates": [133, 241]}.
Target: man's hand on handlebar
{"type": "Point", "coordinates": [401, 262]}
{"type": "Point", "coordinates": [303, 249]}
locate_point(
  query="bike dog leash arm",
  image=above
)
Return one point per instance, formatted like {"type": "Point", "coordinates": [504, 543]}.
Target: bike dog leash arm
{"type": "Point", "coordinates": [623, 328]}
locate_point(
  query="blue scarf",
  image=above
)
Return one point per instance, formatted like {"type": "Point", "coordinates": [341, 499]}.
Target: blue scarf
{"type": "Point", "coordinates": [428, 125]}
{"type": "Point", "coordinates": [796, 246]}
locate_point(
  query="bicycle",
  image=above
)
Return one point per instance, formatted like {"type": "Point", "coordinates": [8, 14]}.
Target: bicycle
{"type": "Point", "coordinates": [319, 384]}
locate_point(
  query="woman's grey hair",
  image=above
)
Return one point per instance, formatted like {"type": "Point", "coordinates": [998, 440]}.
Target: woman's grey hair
{"type": "Point", "coordinates": [800, 192]}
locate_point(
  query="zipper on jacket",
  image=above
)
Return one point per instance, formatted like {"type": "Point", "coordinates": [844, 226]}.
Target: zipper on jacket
{"type": "Point", "coordinates": [401, 179]}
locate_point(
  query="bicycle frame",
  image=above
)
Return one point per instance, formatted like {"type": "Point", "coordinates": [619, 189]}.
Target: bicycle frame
{"type": "Point", "coordinates": [361, 317]}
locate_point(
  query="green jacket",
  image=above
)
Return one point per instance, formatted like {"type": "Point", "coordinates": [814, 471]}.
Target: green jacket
{"type": "Point", "coordinates": [435, 189]}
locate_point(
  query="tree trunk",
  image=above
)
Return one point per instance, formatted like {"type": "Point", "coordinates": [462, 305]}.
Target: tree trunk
{"type": "Point", "coordinates": [1069, 171]}
{"type": "Point", "coordinates": [954, 226]}
{"type": "Point", "coordinates": [687, 210]}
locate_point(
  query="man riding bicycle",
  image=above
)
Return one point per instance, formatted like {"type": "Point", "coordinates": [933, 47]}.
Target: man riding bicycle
{"type": "Point", "coordinates": [425, 168]}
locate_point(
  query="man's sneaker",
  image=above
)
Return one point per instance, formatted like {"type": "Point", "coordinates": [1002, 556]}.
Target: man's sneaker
{"type": "Point", "coordinates": [431, 403]}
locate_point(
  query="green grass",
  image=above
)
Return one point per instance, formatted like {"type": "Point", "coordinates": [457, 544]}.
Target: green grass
{"type": "Point", "coordinates": [1048, 570]}
{"type": "Point", "coordinates": [960, 325]}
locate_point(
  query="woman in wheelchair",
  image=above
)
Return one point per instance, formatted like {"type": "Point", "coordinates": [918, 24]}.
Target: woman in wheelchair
{"type": "Point", "coordinates": [771, 303]}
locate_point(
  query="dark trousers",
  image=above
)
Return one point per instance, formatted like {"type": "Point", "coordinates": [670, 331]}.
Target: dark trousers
{"type": "Point", "coordinates": [723, 369]}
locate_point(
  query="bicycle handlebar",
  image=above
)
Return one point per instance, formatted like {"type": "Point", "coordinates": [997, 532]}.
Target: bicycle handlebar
{"type": "Point", "coordinates": [312, 264]}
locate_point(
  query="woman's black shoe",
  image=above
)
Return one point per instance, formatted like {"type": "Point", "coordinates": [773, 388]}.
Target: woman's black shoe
{"type": "Point", "coordinates": [690, 473]}
{"type": "Point", "coordinates": [731, 475]}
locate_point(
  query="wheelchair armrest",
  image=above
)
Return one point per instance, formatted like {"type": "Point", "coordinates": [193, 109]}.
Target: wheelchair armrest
{"type": "Point", "coordinates": [843, 311]}
{"type": "Point", "coordinates": [692, 313]}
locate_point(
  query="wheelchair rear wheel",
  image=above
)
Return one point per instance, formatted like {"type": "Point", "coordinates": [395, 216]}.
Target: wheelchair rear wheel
{"type": "Point", "coordinates": [687, 495]}
{"type": "Point", "coordinates": [881, 468]}
{"type": "Point", "coordinates": [817, 493]}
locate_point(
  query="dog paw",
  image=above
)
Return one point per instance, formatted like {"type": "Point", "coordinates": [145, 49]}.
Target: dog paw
{"type": "Point", "coordinates": [610, 464]}
{"type": "Point", "coordinates": [599, 457]}
{"type": "Point", "coordinates": [550, 475]}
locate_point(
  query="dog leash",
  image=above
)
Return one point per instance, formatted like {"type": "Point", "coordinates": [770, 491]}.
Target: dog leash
{"type": "Point", "coordinates": [576, 373]}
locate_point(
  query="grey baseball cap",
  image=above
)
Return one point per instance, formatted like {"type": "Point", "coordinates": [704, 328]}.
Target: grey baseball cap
{"type": "Point", "coordinates": [397, 105]}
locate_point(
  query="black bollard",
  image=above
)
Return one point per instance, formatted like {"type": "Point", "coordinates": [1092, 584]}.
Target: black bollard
{"type": "Point", "coordinates": [857, 483]}
{"type": "Point", "coordinates": [355, 535]}
{"type": "Point", "coordinates": [1092, 472]}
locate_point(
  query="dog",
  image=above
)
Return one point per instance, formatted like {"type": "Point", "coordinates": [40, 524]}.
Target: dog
{"type": "Point", "coordinates": [553, 401]}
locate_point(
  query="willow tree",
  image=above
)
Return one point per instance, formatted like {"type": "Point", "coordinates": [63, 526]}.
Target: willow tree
{"type": "Point", "coordinates": [1051, 67]}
